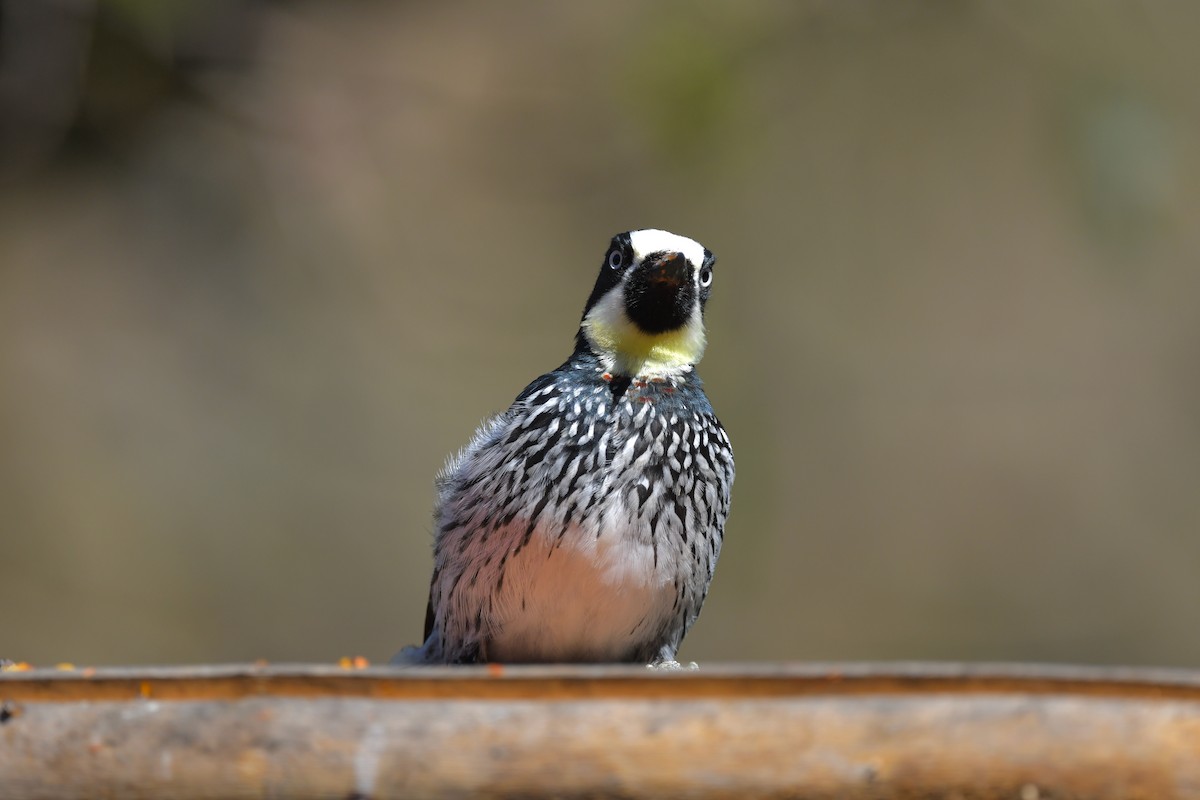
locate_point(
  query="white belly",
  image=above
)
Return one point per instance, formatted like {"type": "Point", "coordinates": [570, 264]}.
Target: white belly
{"type": "Point", "coordinates": [581, 598]}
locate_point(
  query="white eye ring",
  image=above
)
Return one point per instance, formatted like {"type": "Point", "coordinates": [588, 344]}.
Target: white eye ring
{"type": "Point", "coordinates": [705, 277]}
{"type": "Point", "coordinates": [615, 259]}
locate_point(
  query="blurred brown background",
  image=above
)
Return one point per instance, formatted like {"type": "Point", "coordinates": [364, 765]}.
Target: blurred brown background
{"type": "Point", "coordinates": [264, 265]}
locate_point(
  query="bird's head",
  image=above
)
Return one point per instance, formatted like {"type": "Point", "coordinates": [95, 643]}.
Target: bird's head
{"type": "Point", "coordinates": [646, 312]}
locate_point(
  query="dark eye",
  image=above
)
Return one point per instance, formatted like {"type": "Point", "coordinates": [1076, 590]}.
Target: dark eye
{"type": "Point", "coordinates": [616, 259]}
{"type": "Point", "coordinates": [705, 277]}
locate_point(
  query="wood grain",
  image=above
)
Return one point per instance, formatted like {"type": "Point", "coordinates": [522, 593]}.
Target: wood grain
{"type": "Point", "coordinates": [816, 731]}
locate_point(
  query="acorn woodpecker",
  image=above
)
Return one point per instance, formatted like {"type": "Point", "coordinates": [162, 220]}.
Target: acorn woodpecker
{"type": "Point", "coordinates": [583, 524]}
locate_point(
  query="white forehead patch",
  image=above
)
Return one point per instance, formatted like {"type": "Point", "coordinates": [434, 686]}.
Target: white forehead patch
{"type": "Point", "coordinates": [652, 240]}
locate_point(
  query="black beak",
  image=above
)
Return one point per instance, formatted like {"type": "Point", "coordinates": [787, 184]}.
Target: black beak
{"type": "Point", "coordinates": [660, 293]}
{"type": "Point", "coordinates": [667, 271]}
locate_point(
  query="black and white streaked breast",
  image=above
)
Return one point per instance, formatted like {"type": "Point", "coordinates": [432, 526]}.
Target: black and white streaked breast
{"type": "Point", "coordinates": [583, 524]}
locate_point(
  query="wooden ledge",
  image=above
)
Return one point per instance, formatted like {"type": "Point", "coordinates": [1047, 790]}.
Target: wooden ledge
{"type": "Point", "coordinates": [566, 682]}
{"type": "Point", "coordinates": [833, 730]}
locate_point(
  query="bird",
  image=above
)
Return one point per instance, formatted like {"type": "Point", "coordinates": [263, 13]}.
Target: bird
{"type": "Point", "coordinates": [584, 523]}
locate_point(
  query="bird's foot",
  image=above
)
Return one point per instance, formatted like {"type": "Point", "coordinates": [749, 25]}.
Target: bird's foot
{"type": "Point", "coordinates": [673, 666]}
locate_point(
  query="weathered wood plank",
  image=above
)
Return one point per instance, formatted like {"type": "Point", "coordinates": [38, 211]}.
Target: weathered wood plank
{"type": "Point", "coordinates": [849, 731]}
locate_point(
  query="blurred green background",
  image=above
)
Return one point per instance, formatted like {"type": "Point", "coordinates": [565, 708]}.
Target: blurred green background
{"type": "Point", "coordinates": [264, 265]}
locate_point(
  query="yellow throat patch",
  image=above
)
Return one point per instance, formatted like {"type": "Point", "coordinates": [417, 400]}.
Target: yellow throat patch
{"type": "Point", "coordinates": [632, 351]}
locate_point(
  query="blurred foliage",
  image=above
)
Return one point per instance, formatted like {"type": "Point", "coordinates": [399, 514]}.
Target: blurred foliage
{"type": "Point", "coordinates": [685, 80]}
{"type": "Point", "coordinates": [263, 266]}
